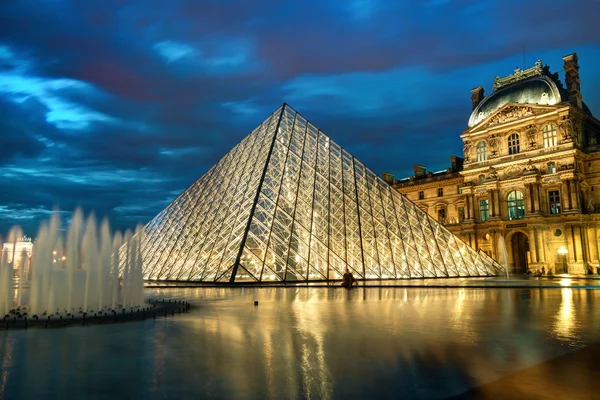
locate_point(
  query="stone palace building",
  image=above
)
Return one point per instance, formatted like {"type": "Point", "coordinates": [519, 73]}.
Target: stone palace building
{"type": "Point", "coordinates": [530, 173]}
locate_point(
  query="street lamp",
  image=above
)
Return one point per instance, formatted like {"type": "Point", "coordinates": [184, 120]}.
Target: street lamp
{"type": "Point", "coordinates": [563, 252]}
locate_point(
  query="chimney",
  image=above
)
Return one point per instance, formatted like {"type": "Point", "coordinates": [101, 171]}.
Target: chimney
{"type": "Point", "coordinates": [388, 177]}
{"type": "Point", "coordinates": [420, 170]}
{"type": "Point", "coordinates": [476, 96]}
{"type": "Point", "coordinates": [572, 79]}
{"type": "Point", "coordinates": [457, 163]}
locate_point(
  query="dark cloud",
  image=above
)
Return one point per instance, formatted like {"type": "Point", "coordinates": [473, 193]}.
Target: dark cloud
{"type": "Point", "coordinates": [118, 106]}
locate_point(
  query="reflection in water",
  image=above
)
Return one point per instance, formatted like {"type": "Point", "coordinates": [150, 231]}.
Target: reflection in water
{"type": "Point", "coordinates": [565, 325]}
{"type": "Point", "coordinates": [305, 343]}
{"type": "Point", "coordinates": [6, 349]}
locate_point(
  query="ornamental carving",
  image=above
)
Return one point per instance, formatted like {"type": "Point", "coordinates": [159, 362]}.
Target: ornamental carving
{"type": "Point", "coordinates": [518, 75]}
{"type": "Point", "coordinates": [491, 174]}
{"type": "Point", "coordinates": [530, 133]}
{"type": "Point", "coordinates": [493, 145]}
{"type": "Point", "coordinates": [513, 172]}
{"type": "Point", "coordinates": [511, 113]}
{"type": "Point", "coordinates": [566, 128]}
{"type": "Point", "coordinates": [466, 151]}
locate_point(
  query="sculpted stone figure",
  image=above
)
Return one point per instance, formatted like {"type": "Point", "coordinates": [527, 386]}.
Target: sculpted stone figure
{"type": "Point", "coordinates": [530, 134]}
{"type": "Point", "coordinates": [510, 114]}
{"type": "Point", "coordinates": [493, 145]}
{"type": "Point", "coordinates": [531, 167]}
{"type": "Point", "coordinates": [467, 150]}
{"type": "Point", "coordinates": [566, 129]}
{"type": "Point", "coordinates": [590, 206]}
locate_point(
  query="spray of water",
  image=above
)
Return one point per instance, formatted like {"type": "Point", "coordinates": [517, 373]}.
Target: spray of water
{"type": "Point", "coordinates": [76, 275]}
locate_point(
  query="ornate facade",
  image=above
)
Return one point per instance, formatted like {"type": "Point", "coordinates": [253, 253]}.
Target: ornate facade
{"type": "Point", "coordinates": [531, 174]}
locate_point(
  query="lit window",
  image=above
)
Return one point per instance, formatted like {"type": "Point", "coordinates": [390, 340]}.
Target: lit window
{"type": "Point", "coordinates": [484, 210]}
{"type": "Point", "coordinates": [421, 195]}
{"type": "Point", "coordinates": [549, 135]}
{"type": "Point", "coordinates": [440, 192]}
{"type": "Point", "coordinates": [442, 215]}
{"type": "Point", "coordinates": [554, 197]}
{"type": "Point", "coordinates": [516, 205]}
{"type": "Point", "coordinates": [513, 144]}
{"type": "Point", "coordinates": [551, 167]}
{"type": "Point", "coordinates": [481, 151]}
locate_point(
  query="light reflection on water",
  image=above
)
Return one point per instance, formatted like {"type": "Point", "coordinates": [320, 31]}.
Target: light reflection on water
{"type": "Point", "coordinates": [305, 343]}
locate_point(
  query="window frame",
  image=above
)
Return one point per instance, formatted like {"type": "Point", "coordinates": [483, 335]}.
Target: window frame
{"type": "Point", "coordinates": [554, 200]}
{"type": "Point", "coordinates": [442, 211]}
{"type": "Point", "coordinates": [440, 192]}
{"type": "Point", "coordinates": [481, 151]}
{"type": "Point", "coordinates": [516, 206]}
{"type": "Point", "coordinates": [514, 144]}
{"type": "Point", "coordinates": [484, 213]}
{"type": "Point", "coordinates": [550, 136]}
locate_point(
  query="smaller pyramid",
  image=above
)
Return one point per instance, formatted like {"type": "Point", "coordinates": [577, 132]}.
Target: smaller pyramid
{"type": "Point", "coordinates": [289, 204]}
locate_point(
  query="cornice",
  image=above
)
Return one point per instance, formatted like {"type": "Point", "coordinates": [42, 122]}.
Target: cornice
{"type": "Point", "coordinates": [514, 115]}
{"type": "Point", "coordinates": [424, 184]}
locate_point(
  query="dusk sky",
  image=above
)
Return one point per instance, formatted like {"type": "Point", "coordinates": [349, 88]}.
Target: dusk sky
{"type": "Point", "coordinates": [118, 106]}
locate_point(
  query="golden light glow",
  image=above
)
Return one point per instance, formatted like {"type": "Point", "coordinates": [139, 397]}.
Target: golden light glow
{"type": "Point", "coordinates": [566, 319]}
{"type": "Point", "coordinates": [563, 251]}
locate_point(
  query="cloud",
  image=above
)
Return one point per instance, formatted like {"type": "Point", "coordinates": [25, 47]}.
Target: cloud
{"type": "Point", "coordinates": [118, 108]}
{"type": "Point", "coordinates": [172, 51]}
{"type": "Point", "coordinates": [18, 85]}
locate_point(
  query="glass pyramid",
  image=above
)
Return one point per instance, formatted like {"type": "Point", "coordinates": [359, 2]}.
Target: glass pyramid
{"type": "Point", "coordinates": [287, 203]}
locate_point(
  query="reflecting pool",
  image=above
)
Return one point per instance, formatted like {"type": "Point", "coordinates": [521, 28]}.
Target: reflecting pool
{"type": "Point", "coordinates": [305, 343]}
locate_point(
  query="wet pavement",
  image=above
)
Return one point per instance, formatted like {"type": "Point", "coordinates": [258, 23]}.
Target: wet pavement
{"type": "Point", "coordinates": [518, 281]}
{"type": "Point", "coordinates": [310, 342]}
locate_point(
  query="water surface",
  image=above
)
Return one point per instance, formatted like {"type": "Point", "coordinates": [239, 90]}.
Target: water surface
{"type": "Point", "coordinates": [371, 342]}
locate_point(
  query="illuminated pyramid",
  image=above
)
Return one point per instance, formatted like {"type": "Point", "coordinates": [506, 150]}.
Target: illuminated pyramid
{"type": "Point", "coordinates": [289, 204]}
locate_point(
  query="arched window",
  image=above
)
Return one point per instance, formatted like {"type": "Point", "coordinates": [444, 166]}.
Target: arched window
{"type": "Point", "coordinates": [513, 144]}
{"type": "Point", "coordinates": [516, 205]}
{"type": "Point", "coordinates": [481, 151]}
{"type": "Point", "coordinates": [549, 135]}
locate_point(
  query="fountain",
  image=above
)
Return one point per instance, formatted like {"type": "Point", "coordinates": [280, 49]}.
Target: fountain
{"type": "Point", "coordinates": [75, 277]}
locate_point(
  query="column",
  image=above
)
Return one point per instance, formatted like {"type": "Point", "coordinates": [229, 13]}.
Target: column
{"type": "Point", "coordinates": [570, 238]}
{"type": "Point", "coordinates": [533, 245]}
{"type": "Point", "coordinates": [471, 200]}
{"type": "Point", "coordinates": [536, 197]}
{"type": "Point", "coordinates": [542, 246]}
{"type": "Point", "coordinates": [581, 242]}
{"type": "Point", "coordinates": [565, 197]}
{"type": "Point", "coordinates": [498, 210]}
{"type": "Point", "coordinates": [575, 195]}
{"type": "Point", "coordinates": [588, 243]}
{"type": "Point", "coordinates": [593, 242]}
{"type": "Point", "coordinates": [531, 208]}
{"type": "Point", "coordinates": [494, 240]}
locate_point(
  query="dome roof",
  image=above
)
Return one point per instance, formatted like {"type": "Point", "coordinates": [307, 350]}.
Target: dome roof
{"type": "Point", "coordinates": [537, 90]}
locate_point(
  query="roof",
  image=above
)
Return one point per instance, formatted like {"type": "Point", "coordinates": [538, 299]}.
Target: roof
{"type": "Point", "coordinates": [535, 90]}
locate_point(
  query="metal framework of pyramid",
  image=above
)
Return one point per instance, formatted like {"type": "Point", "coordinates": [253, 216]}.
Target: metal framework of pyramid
{"type": "Point", "coordinates": [289, 204]}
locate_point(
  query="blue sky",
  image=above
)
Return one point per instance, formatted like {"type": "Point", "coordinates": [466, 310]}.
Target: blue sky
{"type": "Point", "coordinates": [117, 106]}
